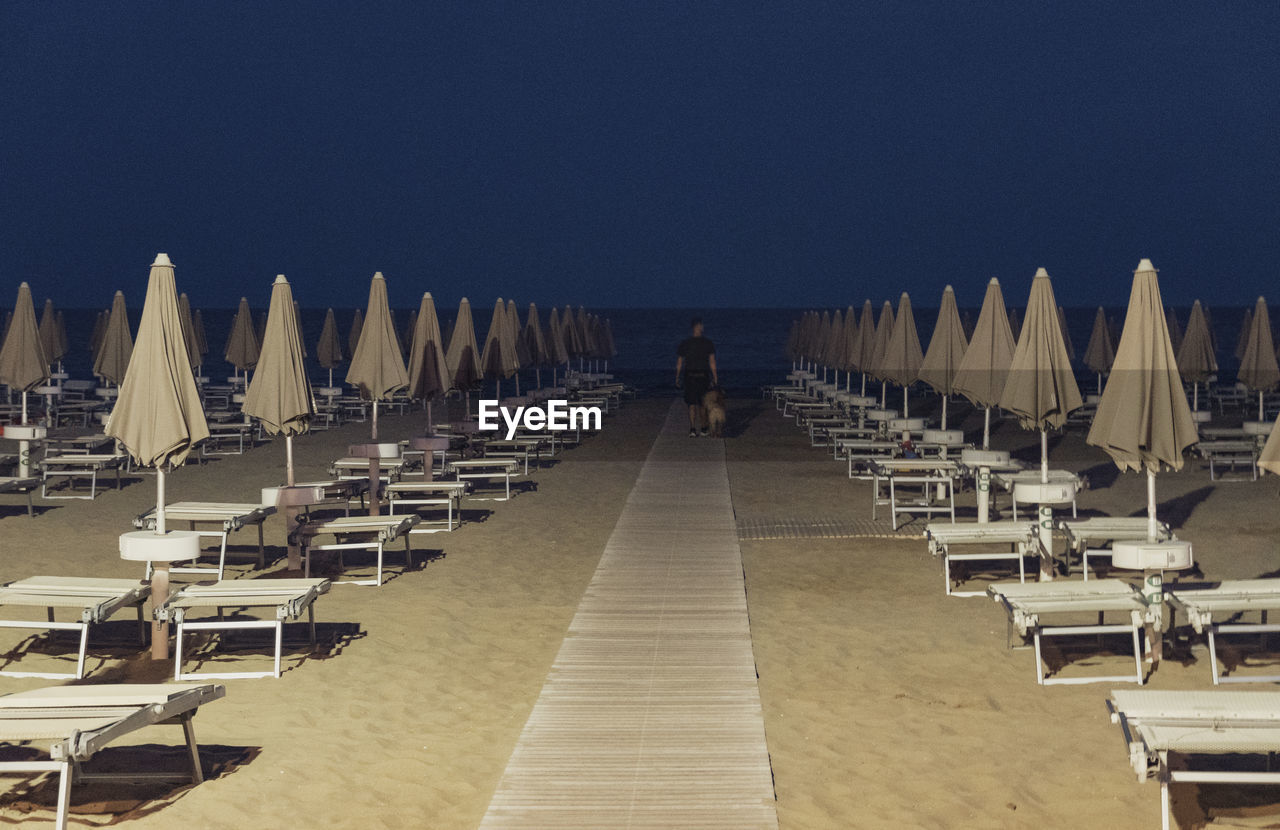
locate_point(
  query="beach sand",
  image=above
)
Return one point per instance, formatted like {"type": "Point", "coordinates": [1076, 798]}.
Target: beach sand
{"type": "Point", "coordinates": [887, 704]}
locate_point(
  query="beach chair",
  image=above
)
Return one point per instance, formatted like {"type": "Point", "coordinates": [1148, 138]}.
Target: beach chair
{"type": "Point", "coordinates": [372, 533]}
{"type": "Point", "coordinates": [1029, 604]}
{"type": "Point", "coordinates": [79, 466]}
{"type": "Point", "coordinates": [96, 600]}
{"type": "Point", "coordinates": [288, 598]}
{"type": "Point", "coordinates": [1013, 541]}
{"type": "Point", "coordinates": [416, 495]}
{"type": "Point", "coordinates": [217, 519]}
{"type": "Point", "coordinates": [1230, 453]}
{"type": "Point", "coordinates": [1225, 602]}
{"type": "Point", "coordinates": [77, 722]}
{"type": "Point", "coordinates": [1193, 727]}
{"type": "Point", "coordinates": [935, 479]}
{"type": "Point", "coordinates": [486, 469]}
{"type": "Point", "coordinates": [25, 485]}
{"type": "Point", "coordinates": [1084, 536]}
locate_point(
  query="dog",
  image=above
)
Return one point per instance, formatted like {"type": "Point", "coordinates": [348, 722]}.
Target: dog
{"type": "Point", "coordinates": [713, 404]}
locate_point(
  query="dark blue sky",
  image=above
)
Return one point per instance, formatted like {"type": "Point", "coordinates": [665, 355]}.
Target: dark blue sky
{"type": "Point", "coordinates": [640, 153]}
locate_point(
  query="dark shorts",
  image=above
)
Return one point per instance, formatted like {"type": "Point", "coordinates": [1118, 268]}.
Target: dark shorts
{"type": "Point", "coordinates": [696, 385]}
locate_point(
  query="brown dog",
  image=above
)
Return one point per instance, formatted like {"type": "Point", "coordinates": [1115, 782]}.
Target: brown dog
{"type": "Point", "coordinates": [713, 403]}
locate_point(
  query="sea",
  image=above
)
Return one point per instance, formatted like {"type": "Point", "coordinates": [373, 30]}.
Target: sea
{"type": "Point", "coordinates": [750, 342]}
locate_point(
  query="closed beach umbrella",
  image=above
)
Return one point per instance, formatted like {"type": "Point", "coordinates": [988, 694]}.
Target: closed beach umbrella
{"type": "Point", "coordinates": [1246, 326]}
{"type": "Point", "coordinates": [280, 395]}
{"type": "Point", "coordinates": [866, 347]}
{"type": "Point", "coordinates": [496, 359]}
{"type": "Point", "coordinates": [188, 330]}
{"type": "Point", "coordinates": [377, 365]}
{"type": "Point", "coordinates": [329, 348]}
{"type": "Point", "coordinates": [946, 349]}
{"type": "Point", "coordinates": [536, 342]}
{"type": "Point", "coordinates": [242, 343]}
{"type": "Point", "coordinates": [833, 348]}
{"type": "Point", "coordinates": [49, 337]}
{"type": "Point", "coordinates": [884, 330]}
{"type": "Point", "coordinates": [557, 352]}
{"type": "Point", "coordinates": [158, 417]}
{"type": "Point", "coordinates": [197, 324]}
{"type": "Point", "coordinates": [1100, 353]}
{"type": "Point", "coordinates": [1258, 368]}
{"type": "Point", "coordinates": [353, 337]}
{"type": "Point", "coordinates": [984, 369]}
{"type": "Point", "coordinates": [1066, 333]}
{"type": "Point", "coordinates": [1196, 359]}
{"type": "Point", "coordinates": [1041, 389]}
{"type": "Point", "coordinates": [428, 370]}
{"type": "Point", "coordinates": [117, 344]}
{"type": "Point", "coordinates": [463, 356]}
{"type": "Point", "coordinates": [23, 365]}
{"type": "Point", "coordinates": [902, 358]}
{"type": "Point", "coordinates": [521, 351]}
{"type": "Point", "coordinates": [1143, 421]}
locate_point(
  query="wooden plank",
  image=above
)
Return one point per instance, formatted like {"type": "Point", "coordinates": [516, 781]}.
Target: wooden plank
{"type": "Point", "coordinates": [650, 716]}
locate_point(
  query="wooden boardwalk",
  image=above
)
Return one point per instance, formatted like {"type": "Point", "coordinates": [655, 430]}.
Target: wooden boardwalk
{"type": "Point", "coordinates": [650, 717]}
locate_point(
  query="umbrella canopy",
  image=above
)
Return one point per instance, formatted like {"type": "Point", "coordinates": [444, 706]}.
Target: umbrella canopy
{"type": "Point", "coordinates": [866, 345]}
{"type": "Point", "coordinates": [329, 348]}
{"type": "Point", "coordinates": [23, 365]}
{"type": "Point", "coordinates": [117, 344]}
{"type": "Point", "coordinates": [984, 369]}
{"type": "Point", "coordinates": [242, 344]}
{"type": "Point", "coordinates": [1041, 389]}
{"type": "Point", "coordinates": [1175, 330]}
{"type": "Point", "coordinates": [556, 351]}
{"type": "Point", "coordinates": [1066, 333]}
{"type": "Point", "coordinates": [1246, 326]}
{"type": "Point", "coordinates": [353, 337]}
{"type": "Point", "coordinates": [884, 331]}
{"type": "Point", "coordinates": [833, 347]}
{"type": "Point", "coordinates": [1143, 420]}
{"type": "Point", "coordinates": [535, 341]}
{"type": "Point", "coordinates": [1258, 369]}
{"type": "Point", "coordinates": [1100, 353]}
{"type": "Point", "coordinates": [946, 347]}
{"type": "Point", "coordinates": [498, 360]}
{"type": "Point", "coordinates": [900, 363]}
{"type": "Point", "coordinates": [49, 338]}
{"type": "Point", "coordinates": [280, 394]}
{"type": "Point", "coordinates": [848, 351]}
{"type": "Point", "coordinates": [428, 370]}
{"type": "Point", "coordinates": [377, 365]}
{"type": "Point", "coordinates": [197, 325]}
{"type": "Point", "coordinates": [1196, 359]}
{"type": "Point", "coordinates": [188, 330]}
{"type": "Point", "coordinates": [584, 331]}
{"type": "Point", "coordinates": [463, 357]}
{"type": "Point", "coordinates": [158, 417]}
{"type": "Point", "coordinates": [523, 355]}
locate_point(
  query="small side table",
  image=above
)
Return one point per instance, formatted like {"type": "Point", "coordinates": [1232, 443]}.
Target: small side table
{"type": "Point", "coordinates": [159, 550]}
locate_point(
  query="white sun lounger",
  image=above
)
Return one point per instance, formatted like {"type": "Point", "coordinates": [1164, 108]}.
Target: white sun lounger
{"type": "Point", "coordinates": [389, 469]}
{"type": "Point", "coordinates": [1224, 601]}
{"type": "Point", "coordinates": [486, 469]}
{"type": "Point", "coordinates": [927, 474]}
{"type": "Point", "coordinates": [415, 495]}
{"type": "Point", "coordinates": [25, 485]}
{"type": "Point", "coordinates": [217, 519]}
{"type": "Point", "coordinates": [1029, 603]}
{"type": "Point", "coordinates": [81, 465]}
{"type": "Point", "coordinates": [288, 597]}
{"type": "Point", "coordinates": [1019, 538]}
{"type": "Point", "coordinates": [1230, 452]}
{"type": "Point", "coordinates": [79, 721]}
{"type": "Point", "coordinates": [95, 599]}
{"type": "Point", "coordinates": [1196, 723]}
{"type": "Point", "coordinates": [371, 533]}
{"type": "Point", "coordinates": [1103, 530]}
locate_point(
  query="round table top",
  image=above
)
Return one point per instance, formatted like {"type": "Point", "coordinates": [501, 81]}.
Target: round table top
{"type": "Point", "coordinates": [149, 546]}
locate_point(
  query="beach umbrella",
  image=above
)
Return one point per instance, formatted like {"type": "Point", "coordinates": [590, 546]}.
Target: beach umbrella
{"type": "Point", "coordinates": [557, 352]}
{"type": "Point", "coordinates": [188, 330]}
{"type": "Point", "coordinates": [197, 325]}
{"type": "Point", "coordinates": [1041, 389]}
{"type": "Point", "coordinates": [884, 330]}
{"type": "Point", "coordinates": [1246, 326]}
{"type": "Point", "coordinates": [463, 356]}
{"type": "Point", "coordinates": [95, 337]}
{"type": "Point", "coordinates": [353, 337]}
{"type": "Point", "coordinates": [49, 339]}
{"type": "Point", "coordinates": [946, 349]}
{"type": "Point", "coordinates": [1258, 369]}
{"type": "Point", "coordinates": [864, 351]}
{"type": "Point", "coordinates": [901, 361]}
{"type": "Point", "coordinates": [1143, 421]}
{"type": "Point", "coordinates": [833, 347]}
{"type": "Point", "coordinates": [117, 344]}
{"type": "Point", "coordinates": [23, 365]}
{"type": "Point", "coordinates": [498, 356]}
{"type": "Point", "coordinates": [242, 343]}
{"type": "Point", "coordinates": [1066, 333]}
{"type": "Point", "coordinates": [984, 369]}
{"type": "Point", "coordinates": [521, 349]}
{"type": "Point", "coordinates": [158, 417]}
{"type": "Point", "coordinates": [822, 343]}
{"type": "Point", "coordinates": [584, 333]}
{"type": "Point", "coordinates": [1175, 330]}
{"type": "Point", "coordinates": [848, 353]}
{"type": "Point", "coordinates": [329, 348]}
{"type": "Point", "coordinates": [1015, 323]}
{"type": "Point", "coordinates": [280, 395]}
{"type": "Point", "coordinates": [536, 343]}
{"type": "Point", "coordinates": [1100, 353]}
{"type": "Point", "coordinates": [377, 365]}
{"type": "Point", "coordinates": [1196, 359]}
{"type": "Point", "coordinates": [428, 370]}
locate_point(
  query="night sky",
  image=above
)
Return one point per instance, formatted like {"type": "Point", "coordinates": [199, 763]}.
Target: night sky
{"type": "Point", "coordinates": [640, 153]}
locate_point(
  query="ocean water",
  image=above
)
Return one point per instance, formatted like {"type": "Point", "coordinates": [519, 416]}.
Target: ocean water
{"type": "Point", "coordinates": [749, 342]}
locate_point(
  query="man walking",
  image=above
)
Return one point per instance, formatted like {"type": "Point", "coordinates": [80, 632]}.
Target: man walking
{"type": "Point", "coordinates": [696, 369]}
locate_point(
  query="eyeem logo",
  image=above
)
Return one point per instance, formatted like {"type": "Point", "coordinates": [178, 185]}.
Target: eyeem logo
{"type": "Point", "coordinates": [557, 416]}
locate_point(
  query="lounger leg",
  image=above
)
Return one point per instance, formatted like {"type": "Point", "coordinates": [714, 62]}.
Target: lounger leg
{"type": "Point", "coordinates": [84, 645]}
{"type": "Point", "coordinates": [311, 621]}
{"type": "Point", "coordinates": [189, 730]}
{"type": "Point", "coordinates": [222, 555]}
{"type": "Point", "coordinates": [1137, 655]}
{"type": "Point", "coordinates": [177, 652]}
{"type": "Point", "coordinates": [1213, 656]}
{"type": "Point", "coordinates": [946, 572]}
{"type": "Point", "coordinates": [64, 795]}
{"type": "Point", "coordinates": [951, 486]}
{"type": "Point", "coordinates": [1164, 791]}
{"type": "Point", "coordinates": [379, 582]}
{"type": "Point", "coordinates": [142, 626]}
{"type": "Point", "coordinates": [262, 549]}
{"type": "Point", "coordinates": [408, 554]}
{"type": "Point", "coordinates": [279, 644]}
{"type": "Point", "coordinates": [1039, 665]}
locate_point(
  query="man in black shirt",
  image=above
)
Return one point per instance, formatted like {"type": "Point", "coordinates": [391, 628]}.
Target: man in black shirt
{"type": "Point", "coordinates": [696, 368]}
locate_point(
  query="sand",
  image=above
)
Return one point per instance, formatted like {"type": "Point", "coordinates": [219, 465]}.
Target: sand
{"type": "Point", "coordinates": [887, 704]}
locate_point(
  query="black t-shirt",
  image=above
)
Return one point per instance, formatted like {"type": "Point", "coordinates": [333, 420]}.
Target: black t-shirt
{"type": "Point", "coordinates": [696, 352]}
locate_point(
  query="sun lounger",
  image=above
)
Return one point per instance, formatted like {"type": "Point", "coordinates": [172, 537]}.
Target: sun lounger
{"type": "Point", "coordinates": [79, 721]}
{"type": "Point", "coordinates": [416, 495]}
{"type": "Point", "coordinates": [860, 452]}
{"type": "Point", "coordinates": [1231, 453]}
{"type": "Point", "coordinates": [371, 533]}
{"type": "Point", "coordinates": [1085, 536]}
{"type": "Point", "coordinates": [1225, 601]}
{"type": "Point", "coordinates": [390, 468]}
{"type": "Point", "coordinates": [929, 475]}
{"type": "Point", "coordinates": [519, 449]}
{"type": "Point", "coordinates": [289, 598]}
{"type": "Point", "coordinates": [1028, 604]}
{"type": "Point", "coordinates": [79, 444]}
{"type": "Point", "coordinates": [227, 438]}
{"type": "Point", "coordinates": [1018, 539]}
{"type": "Point", "coordinates": [25, 485]}
{"type": "Point", "coordinates": [96, 600]}
{"type": "Point", "coordinates": [485, 469]}
{"type": "Point", "coordinates": [218, 519]}
{"type": "Point", "coordinates": [79, 466]}
{"type": "Point", "coordinates": [1191, 726]}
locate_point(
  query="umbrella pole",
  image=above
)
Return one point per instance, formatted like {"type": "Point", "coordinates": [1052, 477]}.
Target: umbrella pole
{"type": "Point", "coordinates": [1044, 456]}
{"type": "Point", "coordinates": [905, 413]}
{"type": "Point", "coordinates": [331, 378]}
{"type": "Point", "coordinates": [1099, 383]}
{"type": "Point", "coordinates": [430, 426]}
{"type": "Point", "coordinates": [864, 383]}
{"type": "Point", "coordinates": [537, 376]}
{"type": "Point", "coordinates": [944, 414]}
{"type": "Point", "coordinates": [1195, 396]}
{"type": "Point", "coordinates": [1151, 506]}
{"type": "Point", "coordinates": [517, 384]}
{"type": "Point", "coordinates": [883, 392]}
{"type": "Point", "coordinates": [1260, 418]}
{"type": "Point", "coordinates": [288, 459]}
{"type": "Point", "coordinates": [986, 428]}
